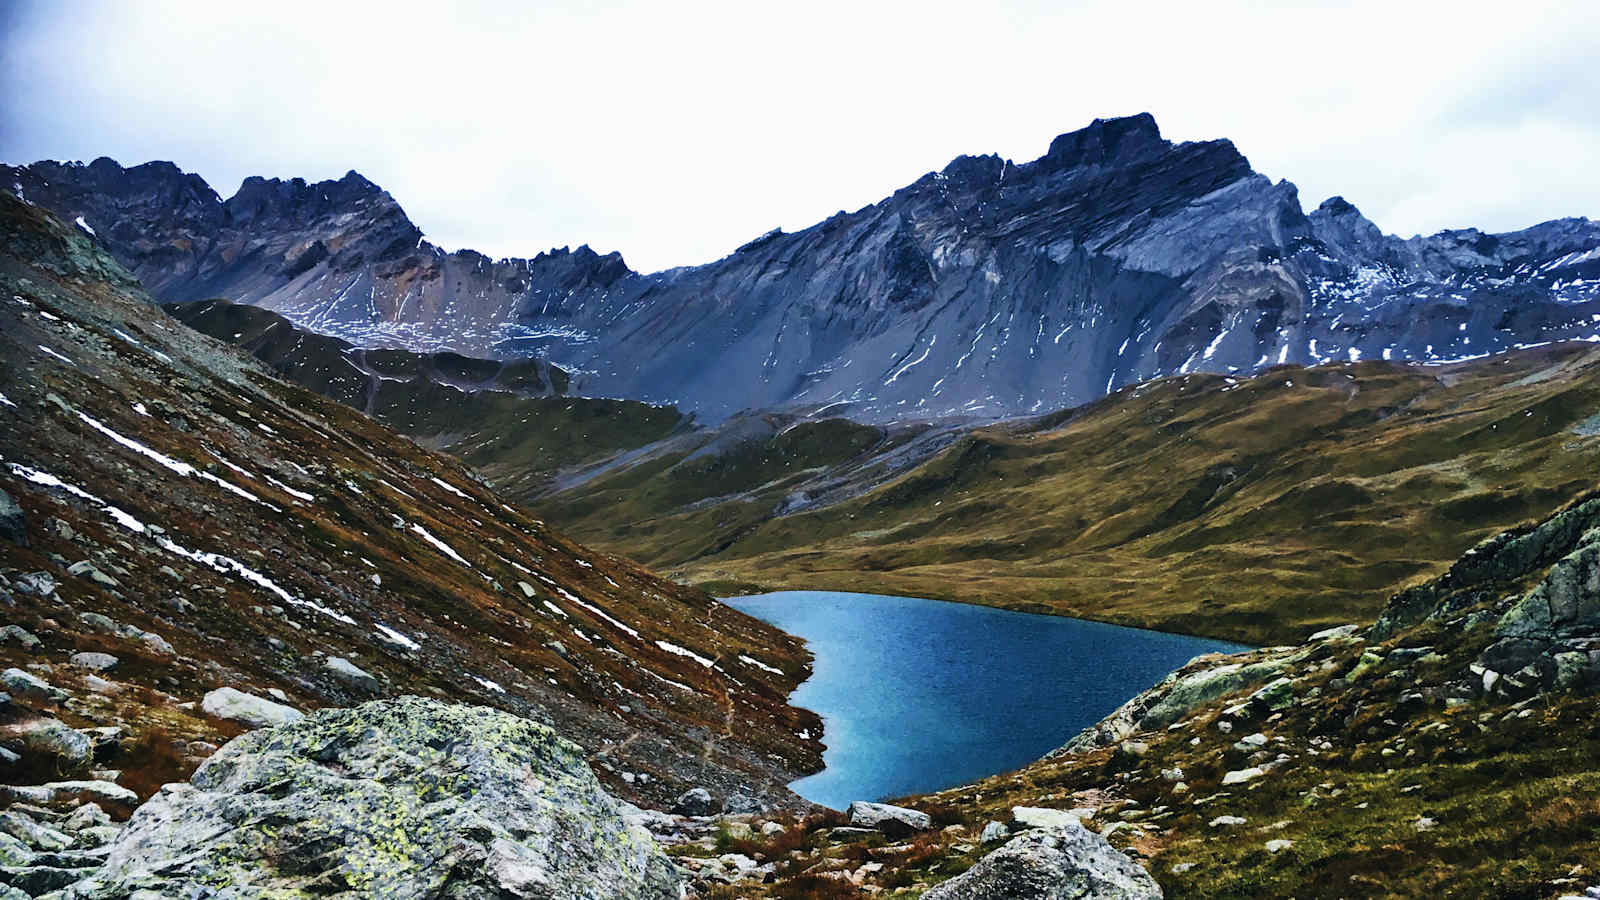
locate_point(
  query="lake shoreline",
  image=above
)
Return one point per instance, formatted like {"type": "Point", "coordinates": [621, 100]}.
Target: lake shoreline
{"type": "Point", "coordinates": [920, 694]}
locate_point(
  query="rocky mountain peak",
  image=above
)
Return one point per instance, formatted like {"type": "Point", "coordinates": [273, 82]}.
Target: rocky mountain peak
{"type": "Point", "coordinates": [1337, 206]}
{"type": "Point", "coordinates": [987, 288]}
{"type": "Point", "coordinates": [1107, 141]}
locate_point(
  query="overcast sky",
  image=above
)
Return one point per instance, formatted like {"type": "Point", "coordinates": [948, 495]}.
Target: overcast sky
{"type": "Point", "coordinates": [675, 131]}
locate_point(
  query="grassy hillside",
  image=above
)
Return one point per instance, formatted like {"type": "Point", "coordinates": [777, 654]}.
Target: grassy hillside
{"type": "Point", "coordinates": [271, 539]}
{"type": "Point", "coordinates": [511, 418]}
{"type": "Point", "coordinates": [1256, 509]}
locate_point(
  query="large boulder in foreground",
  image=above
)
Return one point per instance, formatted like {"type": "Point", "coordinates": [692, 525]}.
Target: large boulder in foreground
{"type": "Point", "coordinates": [403, 798]}
{"type": "Point", "coordinates": [1070, 863]}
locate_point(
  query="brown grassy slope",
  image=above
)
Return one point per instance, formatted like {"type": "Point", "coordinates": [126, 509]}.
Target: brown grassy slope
{"type": "Point", "coordinates": [1252, 509]}
{"type": "Point", "coordinates": [1367, 764]}
{"type": "Point", "coordinates": [337, 512]}
{"type": "Point", "coordinates": [507, 418]}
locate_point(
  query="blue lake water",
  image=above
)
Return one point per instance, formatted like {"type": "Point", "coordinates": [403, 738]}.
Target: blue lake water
{"type": "Point", "coordinates": [920, 695]}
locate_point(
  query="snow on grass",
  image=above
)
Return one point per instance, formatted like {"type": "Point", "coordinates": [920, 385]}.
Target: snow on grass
{"type": "Point", "coordinates": [396, 636]}
{"type": "Point", "coordinates": [675, 650]}
{"type": "Point", "coordinates": [48, 316]}
{"type": "Point", "coordinates": [84, 225]}
{"type": "Point", "coordinates": [449, 487]}
{"type": "Point", "coordinates": [224, 460]}
{"type": "Point", "coordinates": [57, 355]}
{"type": "Point", "coordinates": [224, 564]}
{"type": "Point", "coordinates": [141, 410]}
{"type": "Point", "coordinates": [135, 342]}
{"type": "Point", "coordinates": [36, 476]}
{"type": "Point", "coordinates": [439, 545]}
{"type": "Point", "coordinates": [298, 495]}
{"type": "Point", "coordinates": [556, 609]}
{"type": "Point", "coordinates": [493, 686]}
{"type": "Point", "coordinates": [229, 565]}
{"type": "Point", "coordinates": [181, 468]}
{"type": "Point", "coordinates": [760, 665]}
{"type": "Point", "coordinates": [6, 401]}
{"type": "Point", "coordinates": [677, 684]}
{"type": "Point", "coordinates": [599, 612]}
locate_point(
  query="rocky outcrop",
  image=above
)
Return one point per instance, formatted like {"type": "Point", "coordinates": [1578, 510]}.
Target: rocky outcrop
{"type": "Point", "coordinates": [1550, 638]}
{"type": "Point", "coordinates": [1203, 680]}
{"type": "Point", "coordinates": [405, 798]}
{"type": "Point", "coordinates": [987, 288]}
{"type": "Point", "coordinates": [1055, 864]}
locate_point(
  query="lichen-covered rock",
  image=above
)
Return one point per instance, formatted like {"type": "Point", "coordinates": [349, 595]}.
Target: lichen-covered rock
{"type": "Point", "coordinates": [1204, 679]}
{"type": "Point", "coordinates": [404, 798]}
{"type": "Point", "coordinates": [1055, 864]}
{"type": "Point", "coordinates": [98, 662]}
{"type": "Point", "coordinates": [1550, 635]}
{"type": "Point", "coordinates": [70, 748]}
{"type": "Point", "coordinates": [17, 636]}
{"type": "Point", "coordinates": [25, 684]}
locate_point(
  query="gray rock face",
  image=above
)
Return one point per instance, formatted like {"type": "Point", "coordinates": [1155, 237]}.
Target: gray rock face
{"type": "Point", "coordinates": [353, 675]}
{"type": "Point", "coordinates": [26, 684]}
{"type": "Point", "coordinates": [1196, 684]}
{"type": "Point", "coordinates": [1057, 864]}
{"type": "Point", "coordinates": [72, 749]}
{"type": "Point", "coordinates": [406, 798]}
{"type": "Point", "coordinates": [695, 802]}
{"type": "Point", "coordinates": [99, 662]}
{"type": "Point", "coordinates": [17, 636]}
{"type": "Point", "coordinates": [1550, 638]}
{"type": "Point", "coordinates": [13, 522]}
{"type": "Point", "coordinates": [248, 709]}
{"type": "Point", "coordinates": [893, 821]}
{"type": "Point", "coordinates": [987, 288]}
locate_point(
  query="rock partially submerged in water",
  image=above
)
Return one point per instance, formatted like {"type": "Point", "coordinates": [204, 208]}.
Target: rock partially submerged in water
{"type": "Point", "coordinates": [1052, 864]}
{"type": "Point", "coordinates": [404, 798]}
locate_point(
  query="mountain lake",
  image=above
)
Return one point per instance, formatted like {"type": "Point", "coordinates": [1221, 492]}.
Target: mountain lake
{"type": "Point", "coordinates": [920, 695]}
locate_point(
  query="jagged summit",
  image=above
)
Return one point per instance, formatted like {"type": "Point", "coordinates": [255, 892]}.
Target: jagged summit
{"type": "Point", "coordinates": [1108, 141]}
{"type": "Point", "coordinates": [985, 289]}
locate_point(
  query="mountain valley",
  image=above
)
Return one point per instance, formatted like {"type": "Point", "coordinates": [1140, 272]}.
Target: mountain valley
{"type": "Point", "coordinates": [335, 564]}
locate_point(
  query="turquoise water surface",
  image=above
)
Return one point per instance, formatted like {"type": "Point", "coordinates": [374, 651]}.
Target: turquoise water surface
{"type": "Point", "coordinates": [919, 695]}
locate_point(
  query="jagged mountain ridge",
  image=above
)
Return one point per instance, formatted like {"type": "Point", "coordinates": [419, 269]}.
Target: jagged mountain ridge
{"type": "Point", "coordinates": [985, 289]}
{"type": "Point", "coordinates": [276, 540]}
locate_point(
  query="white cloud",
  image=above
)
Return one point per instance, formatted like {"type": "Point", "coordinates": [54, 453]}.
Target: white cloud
{"type": "Point", "coordinates": [675, 132]}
